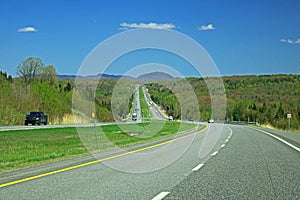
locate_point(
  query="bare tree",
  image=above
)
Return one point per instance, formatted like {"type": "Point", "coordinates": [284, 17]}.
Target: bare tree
{"type": "Point", "coordinates": [30, 69]}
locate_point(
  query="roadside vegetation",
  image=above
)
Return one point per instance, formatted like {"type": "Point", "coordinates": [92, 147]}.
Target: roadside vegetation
{"type": "Point", "coordinates": [38, 89]}
{"type": "Point", "coordinates": [164, 97]}
{"type": "Point", "coordinates": [24, 148]}
{"type": "Point", "coordinates": [265, 99]}
{"type": "Point", "coordinates": [30, 147]}
{"type": "Point", "coordinates": [146, 114]}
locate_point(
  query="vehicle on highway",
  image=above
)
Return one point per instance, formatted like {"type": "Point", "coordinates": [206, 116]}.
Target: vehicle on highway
{"type": "Point", "coordinates": [211, 121]}
{"type": "Point", "coordinates": [36, 118]}
{"type": "Point", "coordinates": [134, 116]}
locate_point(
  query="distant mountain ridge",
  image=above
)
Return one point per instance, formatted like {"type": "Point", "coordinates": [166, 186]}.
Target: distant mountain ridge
{"type": "Point", "coordinates": [154, 76]}
{"type": "Point", "coordinates": [102, 76]}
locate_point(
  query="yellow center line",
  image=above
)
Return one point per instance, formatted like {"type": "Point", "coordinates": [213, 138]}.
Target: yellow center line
{"type": "Point", "coordinates": [97, 161]}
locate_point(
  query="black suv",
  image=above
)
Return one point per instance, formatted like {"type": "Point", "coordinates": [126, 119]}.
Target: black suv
{"type": "Point", "coordinates": [36, 118]}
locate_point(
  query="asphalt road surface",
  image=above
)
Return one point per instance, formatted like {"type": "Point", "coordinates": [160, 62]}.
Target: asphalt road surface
{"type": "Point", "coordinates": [137, 105]}
{"type": "Point", "coordinates": [244, 163]}
{"type": "Point", "coordinates": [8, 128]}
{"type": "Point", "coordinates": [154, 111]}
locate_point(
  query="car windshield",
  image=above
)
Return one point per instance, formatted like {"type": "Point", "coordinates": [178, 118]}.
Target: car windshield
{"type": "Point", "coordinates": [38, 114]}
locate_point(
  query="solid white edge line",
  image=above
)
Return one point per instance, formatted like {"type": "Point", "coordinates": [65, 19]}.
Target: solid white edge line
{"type": "Point", "coordinates": [161, 195]}
{"type": "Point", "coordinates": [223, 145]}
{"type": "Point", "coordinates": [278, 138]}
{"type": "Point", "coordinates": [214, 153]}
{"type": "Point", "coordinates": [197, 167]}
{"type": "Point", "coordinates": [230, 131]}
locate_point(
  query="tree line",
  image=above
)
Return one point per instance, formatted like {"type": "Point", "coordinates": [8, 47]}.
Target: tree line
{"type": "Point", "coordinates": [38, 89]}
{"type": "Point", "coordinates": [265, 99]}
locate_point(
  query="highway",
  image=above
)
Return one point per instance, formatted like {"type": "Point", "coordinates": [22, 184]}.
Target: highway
{"type": "Point", "coordinates": [136, 104]}
{"type": "Point", "coordinates": [153, 109]}
{"type": "Point", "coordinates": [245, 163]}
{"type": "Point", "coordinates": [8, 128]}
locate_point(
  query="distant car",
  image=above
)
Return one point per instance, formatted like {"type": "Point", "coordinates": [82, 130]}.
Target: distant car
{"type": "Point", "coordinates": [134, 116]}
{"type": "Point", "coordinates": [211, 121]}
{"type": "Point", "coordinates": [36, 118]}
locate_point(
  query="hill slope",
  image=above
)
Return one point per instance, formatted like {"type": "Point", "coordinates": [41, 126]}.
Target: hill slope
{"type": "Point", "coordinates": [265, 99]}
{"type": "Point", "coordinates": [154, 76]}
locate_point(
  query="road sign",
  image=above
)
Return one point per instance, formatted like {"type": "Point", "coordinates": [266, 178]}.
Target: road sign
{"type": "Point", "coordinates": [289, 116]}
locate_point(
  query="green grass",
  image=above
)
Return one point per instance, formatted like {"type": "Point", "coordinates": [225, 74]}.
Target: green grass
{"type": "Point", "coordinates": [144, 106]}
{"type": "Point", "coordinates": [25, 148]}
{"type": "Point", "coordinates": [29, 147]}
{"type": "Point", "coordinates": [146, 131]}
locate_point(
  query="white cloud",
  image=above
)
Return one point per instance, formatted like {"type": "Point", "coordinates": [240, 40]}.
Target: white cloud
{"type": "Point", "coordinates": [123, 28]}
{"type": "Point", "coordinates": [206, 27]}
{"type": "Point", "coordinates": [27, 29]}
{"type": "Point", "coordinates": [289, 41]}
{"type": "Point", "coordinates": [144, 25]}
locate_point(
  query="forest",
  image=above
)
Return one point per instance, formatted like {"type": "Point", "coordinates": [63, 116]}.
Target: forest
{"type": "Point", "coordinates": [265, 99]}
{"type": "Point", "coordinates": [38, 89]}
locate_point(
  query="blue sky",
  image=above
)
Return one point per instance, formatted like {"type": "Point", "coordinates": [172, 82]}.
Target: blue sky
{"type": "Point", "coordinates": [242, 37]}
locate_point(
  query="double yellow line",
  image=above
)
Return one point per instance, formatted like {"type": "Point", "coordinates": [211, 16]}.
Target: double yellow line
{"type": "Point", "coordinates": [97, 161]}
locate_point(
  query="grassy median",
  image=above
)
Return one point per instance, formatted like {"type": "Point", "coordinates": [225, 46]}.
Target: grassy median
{"type": "Point", "coordinates": [24, 148]}
{"type": "Point", "coordinates": [146, 113]}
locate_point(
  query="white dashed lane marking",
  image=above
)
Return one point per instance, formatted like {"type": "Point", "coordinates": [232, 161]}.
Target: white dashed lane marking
{"type": "Point", "coordinates": [161, 195]}
{"type": "Point", "coordinates": [198, 167]}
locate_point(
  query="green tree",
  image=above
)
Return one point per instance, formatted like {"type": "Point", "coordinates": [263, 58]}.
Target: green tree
{"type": "Point", "coordinates": [30, 69]}
{"type": "Point", "coordinates": [263, 108]}
{"type": "Point", "coordinates": [68, 87]}
{"type": "Point", "coordinates": [280, 112]}
{"type": "Point", "coordinates": [49, 75]}
{"type": "Point", "coordinates": [237, 112]}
